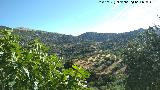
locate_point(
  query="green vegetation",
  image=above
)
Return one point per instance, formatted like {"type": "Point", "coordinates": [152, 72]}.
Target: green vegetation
{"type": "Point", "coordinates": [123, 61]}
{"type": "Point", "coordinates": [32, 68]}
{"type": "Point", "coordinates": [142, 58]}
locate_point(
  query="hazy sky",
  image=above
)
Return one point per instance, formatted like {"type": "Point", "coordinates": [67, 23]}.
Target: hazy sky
{"type": "Point", "coordinates": [78, 16]}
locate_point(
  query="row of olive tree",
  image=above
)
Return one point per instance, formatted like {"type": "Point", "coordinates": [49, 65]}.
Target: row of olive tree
{"type": "Point", "coordinates": [31, 68]}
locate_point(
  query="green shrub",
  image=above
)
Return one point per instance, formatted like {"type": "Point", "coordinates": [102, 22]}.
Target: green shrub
{"type": "Point", "coordinates": [31, 68]}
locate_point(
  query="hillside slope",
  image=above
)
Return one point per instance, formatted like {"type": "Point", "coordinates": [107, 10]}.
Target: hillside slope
{"type": "Point", "coordinates": [70, 47]}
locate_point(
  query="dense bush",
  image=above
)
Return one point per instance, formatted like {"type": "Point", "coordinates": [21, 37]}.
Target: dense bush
{"type": "Point", "coordinates": [31, 68]}
{"type": "Point", "coordinates": [142, 57]}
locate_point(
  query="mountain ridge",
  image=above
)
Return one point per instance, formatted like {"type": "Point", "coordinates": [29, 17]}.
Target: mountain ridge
{"type": "Point", "coordinates": [69, 46]}
{"type": "Point", "coordinates": [30, 29]}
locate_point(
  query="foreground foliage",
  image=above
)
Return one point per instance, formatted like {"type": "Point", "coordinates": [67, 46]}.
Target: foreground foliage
{"type": "Point", "coordinates": [32, 68]}
{"type": "Point", "coordinates": [142, 57]}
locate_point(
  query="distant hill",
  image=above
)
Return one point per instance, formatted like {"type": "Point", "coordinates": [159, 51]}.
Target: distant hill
{"type": "Point", "coordinates": [69, 47]}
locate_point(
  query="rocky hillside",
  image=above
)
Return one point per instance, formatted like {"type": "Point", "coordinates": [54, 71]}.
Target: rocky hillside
{"type": "Point", "coordinates": [70, 47]}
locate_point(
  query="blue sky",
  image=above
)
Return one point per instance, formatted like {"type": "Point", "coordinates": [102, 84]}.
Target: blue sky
{"type": "Point", "coordinates": [78, 16]}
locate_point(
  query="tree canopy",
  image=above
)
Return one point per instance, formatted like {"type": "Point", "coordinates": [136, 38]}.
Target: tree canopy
{"type": "Point", "coordinates": [31, 68]}
{"type": "Point", "coordinates": [142, 57]}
